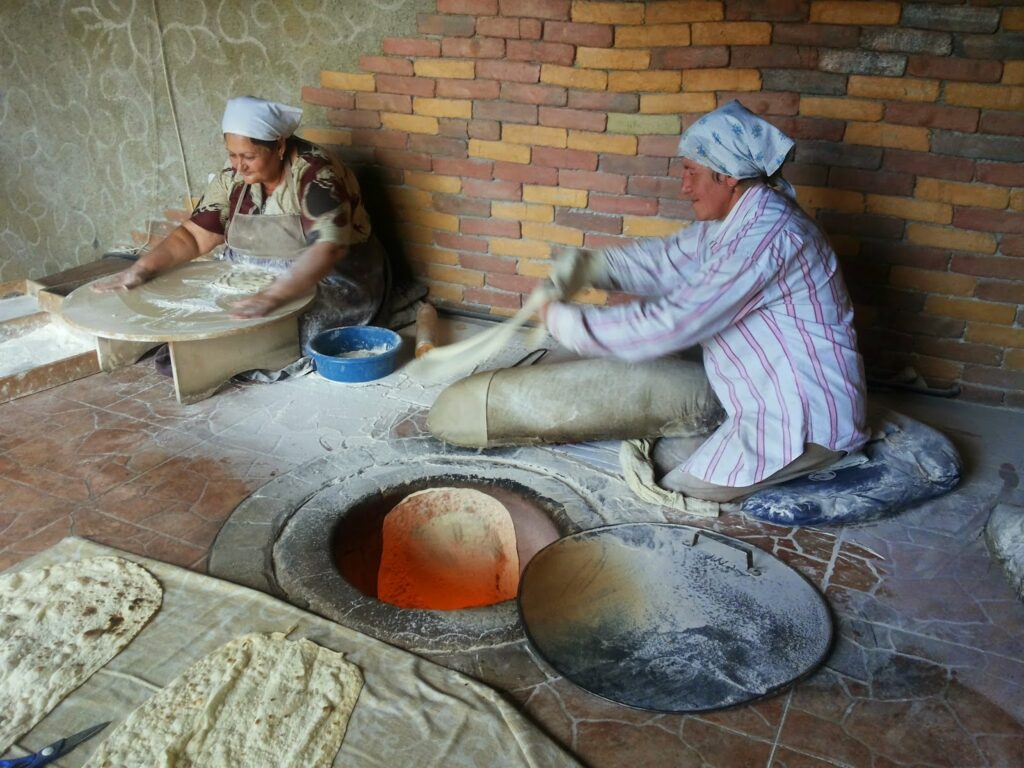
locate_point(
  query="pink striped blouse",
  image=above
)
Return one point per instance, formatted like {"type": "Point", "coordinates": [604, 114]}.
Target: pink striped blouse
{"type": "Point", "coordinates": [762, 293]}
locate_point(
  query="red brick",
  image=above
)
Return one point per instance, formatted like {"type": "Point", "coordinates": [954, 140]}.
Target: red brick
{"type": "Point", "coordinates": [994, 377]}
{"type": "Point", "coordinates": [412, 86]}
{"type": "Point", "coordinates": [548, 53]}
{"type": "Point", "coordinates": [494, 190]}
{"type": "Point", "coordinates": [520, 283]}
{"type": "Point", "coordinates": [581, 119]}
{"type": "Point", "coordinates": [606, 241]}
{"type": "Point", "coordinates": [445, 26]}
{"type": "Point", "coordinates": [926, 164]}
{"type": "Point", "coordinates": [993, 267]}
{"type": "Point", "coordinates": [1003, 174]}
{"type": "Point", "coordinates": [565, 158]}
{"type": "Point", "coordinates": [474, 48]}
{"type": "Point", "coordinates": [328, 97]}
{"type": "Point", "coordinates": [530, 29]}
{"type": "Point", "coordinates": [811, 128]}
{"type": "Point", "coordinates": [408, 46]}
{"type": "Point", "coordinates": [474, 169]}
{"type": "Point", "coordinates": [988, 220]}
{"type": "Point", "coordinates": [486, 298]}
{"type": "Point", "coordinates": [950, 68]}
{"type": "Point", "coordinates": [932, 116]}
{"type": "Point", "coordinates": [453, 127]}
{"type": "Point", "coordinates": [526, 174]}
{"type": "Point", "coordinates": [384, 138]}
{"type": "Point", "coordinates": [872, 181]}
{"type": "Point", "coordinates": [498, 26]}
{"type": "Point", "coordinates": [386, 65]}
{"type": "Point", "coordinates": [766, 10]}
{"type": "Point", "coordinates": [437, 145]}
{"type": "Point", "coordinates": [927, 325]}
{"type": "Point", "coordinates": [600, 182]}
{"type": "Point", "coordinates": [385, 102]}
{"type": "Point", "coordinates": [470, 7]}
{"type": "Point", "coordinates": [1003, 123]}
{"type": "Point", "coordinates": [589, 35]}
{"type": "Point", "coordinates": [961, 351]}
{"type": "Point", "coordinates": [463, 242]}
{"type": "Point", "coordinates": [687, 57]}
{"type": "Point", "coordinates": [787, 56]}
{"type": "Point", "coordinates": [487, 263]}
{"type": "Point", "coordinates": [468, 89]}
{"type": "Point", "coordinates": [537, 9]}
{"type": "Point", "coordinates": [1011, 245]}
{"type": "Point", "coordinates": [909, 255]}
{"type": "Point", "coordinates": [505, 111]}
{"type": "Point", "coordinates": [589, 222]}
{"type": "Point", "coordinates": [1003, 291]}
{"type": "Point", "coordinates": [634, 206]}
{"type": "Point", "coordinates": [658, 146]}
{"type": "Point", "coordinates": [989, 396]}
{"type": "Point", "coordinates": [764, 103]}
{"type": "Point", "coordinates": [488, 130]}
{"type": "Point", "coordinates": [399, 158]}
{"type": "Point", "coordinates": [353, 118]}
{"type": "Point", "coordinates": [548, 95]}
{"type": "Point", "coordinates": [818, 35]}
{"type": "Point", "coordinates": [879, 227]}
{"type": "Point", "coordinates": [604, 101]}
{"type": "Point", "coordinates": [629, 165]}
{"type": "Point", "coordinates": [801, 174]}
{"type": "Point", "coordinates": [652, 186]}
{"type": "Point", "coordinates": [490, 227]}
{"type": "Point", "coordinates": [508, 71]}
{"type": "Point", "coordinates": [676, 209]}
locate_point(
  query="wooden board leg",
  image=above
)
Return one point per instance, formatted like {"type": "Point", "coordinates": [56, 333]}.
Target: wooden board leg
{"type": "Point", "coordinates": [113, 353]}
{"type": "Point", "coordinates": [202, 366]}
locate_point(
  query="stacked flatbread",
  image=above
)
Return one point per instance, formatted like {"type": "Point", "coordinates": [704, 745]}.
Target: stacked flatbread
{"type": "Point", "coordinates": [59, 625]}
{"type": "Point", "coordinates": [260, 701]}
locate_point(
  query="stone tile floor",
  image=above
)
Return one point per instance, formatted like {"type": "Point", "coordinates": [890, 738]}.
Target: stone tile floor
{"type": "Point", "coordinates": [927, 670]}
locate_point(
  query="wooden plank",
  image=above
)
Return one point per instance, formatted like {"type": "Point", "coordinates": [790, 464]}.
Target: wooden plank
{"type": "Point", "coordinates": [46, 376]}
{"type": "Point", "coordinates": [114, 353]}
{"type": "Point", "coordinates": [12, 288]}
{"type": "Point", "coordinates": [63, 283]}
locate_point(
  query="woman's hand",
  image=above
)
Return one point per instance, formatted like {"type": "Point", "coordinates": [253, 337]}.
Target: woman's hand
{"type": "Point", "coordinates": [130, 278]}
{"type": "Point", "coordinates": [258, 305]}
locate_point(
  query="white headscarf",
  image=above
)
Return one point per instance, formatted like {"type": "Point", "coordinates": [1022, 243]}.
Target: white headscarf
{"type": "Point", "coordinates": [734, 141]}
{"type": "Point", "coordinates": [260, 119]}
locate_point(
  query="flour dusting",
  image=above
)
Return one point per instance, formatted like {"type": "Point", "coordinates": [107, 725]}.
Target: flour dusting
{"type": "Point", "coordinates": [43, 345]}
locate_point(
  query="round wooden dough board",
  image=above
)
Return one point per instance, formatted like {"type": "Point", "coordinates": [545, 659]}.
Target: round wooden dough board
{"type": "Point", "coordinates": [188, 303]}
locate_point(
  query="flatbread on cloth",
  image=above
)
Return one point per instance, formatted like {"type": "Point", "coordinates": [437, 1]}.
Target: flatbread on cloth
{"type": "Point", "coordinates": [58, 625]}
{"type": "Point", "coordinates": [259, 701]}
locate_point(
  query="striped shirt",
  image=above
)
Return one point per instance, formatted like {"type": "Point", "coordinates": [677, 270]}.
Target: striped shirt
{"type": "Point", "coordinates": [761, 292]}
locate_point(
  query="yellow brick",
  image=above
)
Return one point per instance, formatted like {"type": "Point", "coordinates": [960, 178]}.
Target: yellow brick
{"type": "Point", "coordinates": [409, 123]}
{"type": "Point", "coordinates": [646, 82]}
{"type": "Point", "coordinates": [499, 150]}
{"type": "Point", "coordinates": [526, 249]}
{"type": "Point", "coordinates": [898, 88]}
{"type": "Point", "coordinates": [673, 104]}
{"type": "Point", "coordinates": [1005, 97]}
{"type": "Point", "coordinates": [1013, 73]}
{"type": "Point", "coordinates": [570, 77]}
{"type": "Point", "coordinates": [885, 135]}
{"type": "Point", "coordinates": [1013, 19]}
{"type": "Point", "coordinates": [459, 108]}
{"type": "Point", "coordinates": [732, 33]}
{"type": "Point", "coordinates": [841, 109]}
{"type": "Point", "coordinates": [652, 36]}
{"type": "Point", "coordinates": [607, 13]}
{"type": "Point", "coordinates": [411, 198]}
{"type": "Point", "coordinates": [1014, 360]}
{"type": "Point", "coordinates": [433, 220]}
{"type": "Point", "coordinates": [553, 233]}
{"type": "Point", "coordinates": [644, 226]}
{"type": "Point", "coordinates": [430, 254]}
{"type": "Point", "coordinates": [937, 370]}
{"type": "Point", "coordinates": [534, 268]}
{"type": "Point", "coordinates": [445, 293]}
{"type": "Point", "coordinates": [959, 193]}
{"type": "Point", "coordinates": [569, 198]}
{"type": "Point", "coordinates": [953, 239]}
{"type": "Point", "coordinates": [971, 309]}
{"type": "Point", "coordinates": [347, 81]}
{"type": "Point", "coordinates": [906, 208]}
{"type": "Point", "coordinates": [830, 199]}
{"type": "Point", "coordinates": [538, 135]}
{"type": "Point", "coordinates": [445, 68]}
{"type": "Point", "coordinates": [605, 58]}
{"type": "Point", "coordinates": [686, 10]}
{"type": "Point", "coordinates": [1017, 199]}
{"type": "Point", "coordinates": [722, 80]}
{"type": "Point", "coordinates": [326, 136]}
{"type": "Point", "coordinates": [522, 211]}
{"type": "Point", "coordinates": [855, 12]}
{"type": "Point", "coordinates": [930, 281]}
{"type": "Point", "coordinates": [591, 296]}
{"type": "Point", "coordinates": [448, 185]}
{"type": "Point", "coordinates": [603, 142]}
{"type": "Point", "coordinates": [998, 335]}
{"type": "Point", "coordinates": [454, 274]}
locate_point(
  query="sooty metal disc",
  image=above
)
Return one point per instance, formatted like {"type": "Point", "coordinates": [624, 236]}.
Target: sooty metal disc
{"type": "Point", "coordinates": [671, 618]}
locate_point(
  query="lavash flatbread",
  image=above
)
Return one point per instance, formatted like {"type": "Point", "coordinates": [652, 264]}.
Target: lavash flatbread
{"type": "Point", "coordinates": [59, 625]}
{"type": "Point", "coordinates": [259, 701]}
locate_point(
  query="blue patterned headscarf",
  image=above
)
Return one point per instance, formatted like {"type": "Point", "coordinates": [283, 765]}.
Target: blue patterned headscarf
{"type": "Point", "coordinates": [734, 141]}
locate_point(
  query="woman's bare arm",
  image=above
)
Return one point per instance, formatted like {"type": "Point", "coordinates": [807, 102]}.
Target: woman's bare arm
{"type": "Point", "coordinates": [185, 243]}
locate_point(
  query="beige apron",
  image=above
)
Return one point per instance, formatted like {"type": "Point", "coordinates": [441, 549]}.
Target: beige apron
{"type": "Point", "coordinates": [350, 295]}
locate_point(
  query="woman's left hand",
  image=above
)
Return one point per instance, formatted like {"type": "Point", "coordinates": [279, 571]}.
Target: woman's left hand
{"type": "Point", "coordinates": [258, 305]}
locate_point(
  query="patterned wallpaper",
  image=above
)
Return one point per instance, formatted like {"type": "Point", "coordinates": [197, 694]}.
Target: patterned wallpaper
{"type": "Point", "coordinates": [89, 148]}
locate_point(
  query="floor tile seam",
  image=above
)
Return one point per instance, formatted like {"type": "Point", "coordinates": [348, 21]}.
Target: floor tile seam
{"type": "Point", "coordinates": [10, 548]}
{"type": "Point", "coordinates": [42, 492]}
{"type": "Point", "coordinates": [732, 731]}
{"type": "Point", "coordinates": [779, 727]}
{"type": "Point", "coordinates": [142, 528]}
{"type": "Point", "coordinates": [912, 633]}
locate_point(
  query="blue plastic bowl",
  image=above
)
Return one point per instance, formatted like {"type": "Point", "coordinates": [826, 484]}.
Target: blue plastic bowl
{"type": "Point", "coordinates": [328, 348]}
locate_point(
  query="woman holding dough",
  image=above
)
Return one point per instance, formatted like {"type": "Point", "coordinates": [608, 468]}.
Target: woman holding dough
{"type": "Point", "coordinates": [285, 205]}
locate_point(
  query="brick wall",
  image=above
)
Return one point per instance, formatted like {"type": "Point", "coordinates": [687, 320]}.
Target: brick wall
{"type": "Point", "coordinates": [505, 128]}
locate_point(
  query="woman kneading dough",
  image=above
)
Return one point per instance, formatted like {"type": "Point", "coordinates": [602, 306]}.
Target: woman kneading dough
{"type": "Point", "coordinates": [285, 205]}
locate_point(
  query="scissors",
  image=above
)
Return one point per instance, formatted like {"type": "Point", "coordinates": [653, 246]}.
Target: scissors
{"type": "Point", "coordinates": [48, 754]}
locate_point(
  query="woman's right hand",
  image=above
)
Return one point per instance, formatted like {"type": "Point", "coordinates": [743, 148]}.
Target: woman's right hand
{"type": "Point", "coordinates": [130, 278]}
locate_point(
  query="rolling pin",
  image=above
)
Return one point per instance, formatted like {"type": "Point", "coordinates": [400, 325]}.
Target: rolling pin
{"type": "Point", "coordinates": [426, 328]}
